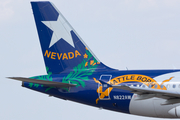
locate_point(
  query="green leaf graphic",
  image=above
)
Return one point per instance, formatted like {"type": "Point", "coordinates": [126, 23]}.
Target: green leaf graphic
{"type": "Point", "coordinates": [43, 77]}
{"type": "Point", "coordinates": [81, 72]}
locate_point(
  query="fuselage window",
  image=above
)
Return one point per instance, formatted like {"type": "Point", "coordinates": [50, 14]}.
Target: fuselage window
{"type": "Point", "coordinates": [167, 86]}
{"type": "Point", "coordinates": [143, 86]}
{"type": "Point", "coordinates": [155, 86]}
{"type": "Point", "coordinates": [179, 85]}
{"type": "Point", "coordinates": [174, 85]}
{"type": "Point", "coordinates": [162, 86]}
{"type": "Point", "coordinates": [150, 86]}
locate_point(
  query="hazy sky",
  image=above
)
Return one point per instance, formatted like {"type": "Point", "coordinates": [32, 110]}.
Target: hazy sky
{"type": "Point", "coordinates": [137, 34]}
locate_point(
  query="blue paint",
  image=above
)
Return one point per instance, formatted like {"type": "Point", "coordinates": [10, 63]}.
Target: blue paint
{"type": "Point", "coordinates": [60, 69]}
{"type": "Point", "coordinates": [89, 94]}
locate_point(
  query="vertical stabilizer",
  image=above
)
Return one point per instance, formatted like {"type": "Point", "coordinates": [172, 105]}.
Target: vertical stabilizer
{"type": "Point", "coordinates": [62, 47]}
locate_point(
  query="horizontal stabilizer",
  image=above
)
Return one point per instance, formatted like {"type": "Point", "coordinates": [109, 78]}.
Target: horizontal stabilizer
{"type": "Point", "coordinates": [43, 82]}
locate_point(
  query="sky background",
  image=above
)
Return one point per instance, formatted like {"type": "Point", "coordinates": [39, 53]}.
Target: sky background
{"type": "Point", "coordinates": [137, 34]}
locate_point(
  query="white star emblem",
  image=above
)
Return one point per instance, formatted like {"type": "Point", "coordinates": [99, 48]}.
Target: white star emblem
{"type": "Point", "coordinates": [61, 29]}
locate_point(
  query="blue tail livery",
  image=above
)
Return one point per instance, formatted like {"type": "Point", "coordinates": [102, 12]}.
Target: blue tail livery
{"type": "Point", "coordinates": [62, 47]}
{"type": "Point", "coordinates": [73, 71]}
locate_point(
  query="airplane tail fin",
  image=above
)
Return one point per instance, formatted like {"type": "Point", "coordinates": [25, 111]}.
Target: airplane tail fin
{"type": "Point", "coordinates": [62, 48]}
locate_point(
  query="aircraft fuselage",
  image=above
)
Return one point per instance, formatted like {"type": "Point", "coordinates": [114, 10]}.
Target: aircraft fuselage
{"type": "Point", "coordinates": [95, 92]}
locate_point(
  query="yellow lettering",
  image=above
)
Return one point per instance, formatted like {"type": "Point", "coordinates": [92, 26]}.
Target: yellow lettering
{"type": "Point", "coordinates": [47, 53]}
{"type": "Point", "coordinates": [139, 78]}
{"type": "Point", "coordinates": [53, 54]}
{"type": "Point", "coordinates": [59, 56]}
{"type": "Point", "coordinates": [65, 56]}
{"type": "Point", "coordinates": [148, 80]}
{"type": "Point", "coordinates": [144, 79]}
{"type": "Point", "coordinates": [114, 82]}
{"type": "Point", "coordinates": [119, 79]}
{"type": "Point", "coordinates": [70, 55]}
{"type": "Point", "coordinates": [127, 78]}
{"type": "Point", "coordinates": [77, 53]}
{"type": "Point", "coordinates": [132, 77]}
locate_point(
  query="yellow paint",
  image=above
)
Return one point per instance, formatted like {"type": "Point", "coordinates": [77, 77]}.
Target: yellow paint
{"type": "Point", "coordinates": [94, 64]}
{"type": "Point", "coordinates": [53, 54]}
{"type": "Point", "coordinates": [85, 55]}
{"type": "Point", "coordinates": [59, 56]}
{"type": "Point", "coordinates": [99, 90]}
{"type": "Point", "coordinates": [129, 78]}
{"type": "Point", "coordinates": [166, 80]}
{"type": "Point", "coordinates": [86, 48]}
{"type": "Point", "coordinates": [91, 62]}
{"type": "Point", "coordinates": [77, 53]}
{"type": "Point", "coordinates": [47, 53]}
{"type": "Point", "coordinates": [97, 81]}
{"type": "Point", "coordinates": [70, 55]}
{"type": "Point", "coordinates": [86, 64]}
{"type": "Point", "coordinates": [65, 56]}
